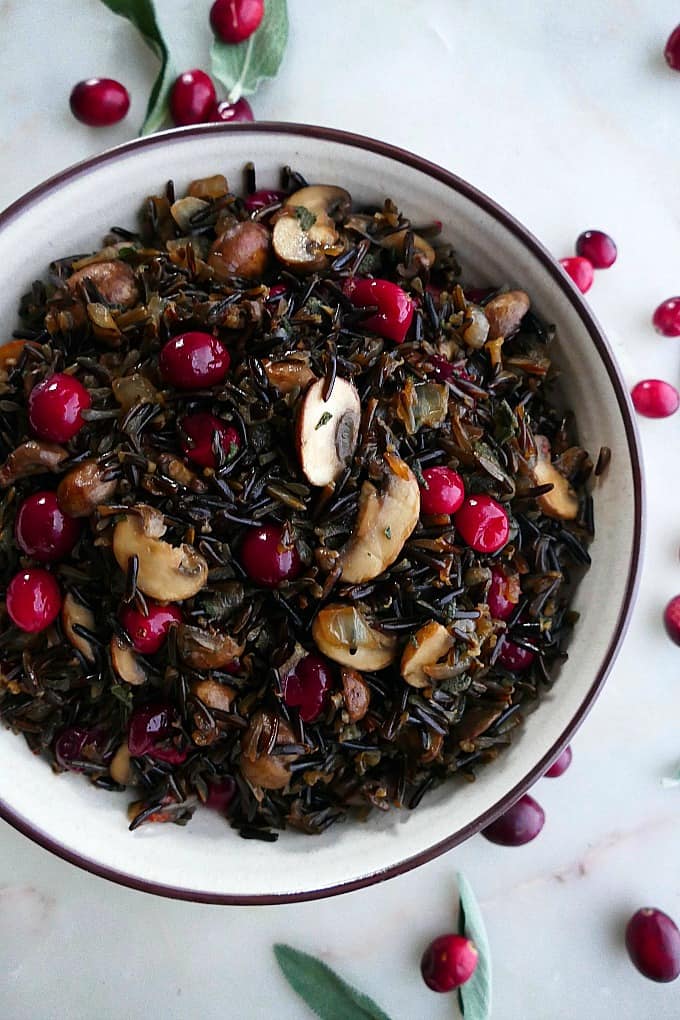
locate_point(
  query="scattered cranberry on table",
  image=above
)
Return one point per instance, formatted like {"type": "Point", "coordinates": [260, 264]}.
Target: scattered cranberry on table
{"type": "Point", "coordinates": [260, 200]}
{"type": "Point", "coordinates": [33, 600]}
{"type": "Point", "coordinates": [666, 318]}
{"type": "Point", "coordinates": [482, 523]}
{"type": "Point", "coordinates": [192, 97]}
{"type": "Point", "coordinates": [653, 944]}
{"type": "Point", "coordinates": [448, 962]}
{"type": "Point", "coordinates": [655, 398]}
{"type": "Point", "coordinates": [192, 361]}
{"type": "Point", "coordinates": [597, 247]}
{"type": "Point", "coordinates": [266, 559]}
{"type": "Point", "coordinates": [443, 492]}
{"type": "Point", "coordinates": [560, 765]}
{"type": "Point", "coordinates": [306, 686]}
{"type": "Point", "coordinates": [239, 112]}
{"type": "Point", "coordinates": [672, 50]}
{"type": "Point", "coordinates": [671, 619]}
{"type": "Point", "coordinates": [197, 434]}
{"type": "Point", "coordinates": [519, 825]}
{"type": "Point", "coordinates": [513, 656]}
{"type": "Point", "coordinates": [148, 633]}
{"type": "Point", "coordinates": [234, 21]}
{"type": "Point", "coordinates": [580, 270]}
{"type": "Point", "coordinates": [55, 407]}
{"type": "Point", "coordinates": [395, 307]}
{"type": "Point", "coordinates": [99, 102]}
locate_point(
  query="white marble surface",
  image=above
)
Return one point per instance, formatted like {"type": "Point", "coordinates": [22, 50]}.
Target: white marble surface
{"type": "Point", "coordinates": [568, 116]}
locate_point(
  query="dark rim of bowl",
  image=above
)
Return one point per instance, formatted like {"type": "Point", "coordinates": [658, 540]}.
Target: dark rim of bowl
{"type": "Point", "coordinates": [567, 287]}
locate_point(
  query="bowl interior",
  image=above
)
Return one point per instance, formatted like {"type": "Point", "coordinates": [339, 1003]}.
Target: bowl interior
{"type": "Point", "coordinates": [207, 859]}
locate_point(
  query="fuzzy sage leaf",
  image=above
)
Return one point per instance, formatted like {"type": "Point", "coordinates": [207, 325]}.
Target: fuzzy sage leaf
{"type": "Point", "coordinates": [475, 995]}
{"type": "Point", "coordinates": [142, 14]}
{"type": "Point", "coordinates": [242, 68]}
{"type": "Point", "coordinates": [322, 989]}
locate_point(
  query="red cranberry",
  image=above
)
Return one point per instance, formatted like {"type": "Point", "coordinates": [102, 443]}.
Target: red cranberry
{"type": "Point", "coordinates": [99, 102]}
{"type": "Point", "coordinates": [148, 633]}
{"type": "Point", "coordinates": [444, 491]}
{"type": "Point", "coordinates": [560, 765]}
{"type": "Point", "coordinates": [221, 793]}
{"type": "Point", "coordinates": [236, 20]}
{"type": "Point", "coordinates": [519, 825]}
{"type": "Point", "coordinates": [192, 361]}
{"type": "Point", "coordinates": [69, 745]}
{"type": "Point", "coordinates": [260, 200]}
{"type": "Point", "coordinates": [666, 318]}
{"type": "Point", "coordinates": [33, 600]}
{"type": "Point", "coordinates": [448, 962]}
{"type": "Point", "coordinates": [265, 558]}
{"type": "Point", "coordinates": [43, 531]}
{"type": "Point", "coordinates": [198, 432]}
{"type": "Point", "coordinates": [307, 686]}
{"type": "Point", "coordinates": [192, 98]}
{"type": "Point", "coordinates": [279, 290]}
{"type": "Point", "coordinates": [169, 753]}
{"type": "Point", "coordinates": [671, 618]}
{"type": "Point", "coordinates": [148, 726]}
{"type": "Point", "coordinates": [55, 407]}
{"type": "Point", "coordinates": [581, 272]}
{"type": "Point", "coordinates": [239, 112]}
{"type": "Point", "coordinates": [672, 50]}
{"type": "Point", "coordinates": [500, 594]}
{"type": "Point", "coordinates": [597, 247]}
{"type": "Point", "coordinates": [514, 657]}
{"type": "Point", "coordinates": [483, 523]}
{"type": "Point", "coordinates": [655, 398]}
{"type": "Point", "coordinates": [653, 944]}
{"type": "Point", "coordinates": [395, 307]}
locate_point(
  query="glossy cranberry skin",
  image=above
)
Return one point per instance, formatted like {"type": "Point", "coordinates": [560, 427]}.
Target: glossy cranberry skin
{"type": "Point", "coordinates": [43, 531]}
{"type": "Point", "coordinates": [233, 21]}
{"type": "Point", "coordinates": [597, 247]}
{"type": "Point", "coordinates": [653, 944]}
{"type": "Point", "coordinates": [500, 606]}
{"type": "Point", "coordinates": [448, 962]}
{"type": "Point", "coordinates": [148, 633]}
{"type": "Point", "coordinates": [482, 523]}
{"type": "Point", "coordinates": [655, 398]}
{"type": "Point", "coordinates": [671, 619]}
{"type": "Point", "coordinates": [260, 200]}
{"type": "Point", "coordinates": [666, 318]}
{"type": "Point", "coordinates": [560, 765]}
{"type": "Point", "coordinates": [200, 428]}
{"type": "Point", "coordinates": [279, 290]}
{"type": "Point", "coordinates": [519, 825]}
{"type": "Point", "coordinates": [148, 726]}
{"type": "Point", "coordinates": [514, 657]}
{"type": "Point", "coordinates": [192, 97]}
{"type": "Point", "coordinates": [581, 272]}
{"type": "Point", "coordinates": [239, 112]}
{"type": "Point", "coordinates": [55, 407]}
{"type": "Point", "coordinates": [306, 687]}
{"type": "Point", "coordinates": [672, 50]}
{"type": "Point", "coordinates": [265, 560]}
{"type": "Point", "coordinates": [221, 793]}
{"type": "Point", "coordinates": [69, 744]}
{"type": "Point", "coordinates": [395, 307]}
{"type": "Point", "coordinates": [193, 361]}
{"type": "Point", "coordinates": [99, 102]}
{"type": "Point", "coordinates": [444, 491]}
{"type": "Point", "coordinates": [33, 600]}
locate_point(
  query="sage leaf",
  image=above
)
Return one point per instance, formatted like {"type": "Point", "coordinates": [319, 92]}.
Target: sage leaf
{"type": "Point", "coordinates": [475, 995]}
{"type": "Point", "coordinates": [322, 989]}
{"type": "Point", "coordinates": [242, 68]}
{"type": "Point", "coordinates": [142, 14]}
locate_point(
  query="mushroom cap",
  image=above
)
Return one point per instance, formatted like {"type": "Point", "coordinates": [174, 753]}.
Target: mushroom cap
{"type": "Point", "coordinates": [342, 632]}
{"type": "Point", "coordinates": [165, 572]}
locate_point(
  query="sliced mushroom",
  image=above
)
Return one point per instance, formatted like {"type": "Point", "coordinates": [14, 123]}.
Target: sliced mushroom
{"type": "Point", "coordinates": [327, 431]}
{"type": "Point", "coordinates": [209, 187]}
{"type": "Point", "coordinates": [561, 501]}
{"type": "Point", "coordinates": [125, 663]}
{"type": "Point", "coordinates": [291, 373]}
{"type": "Point", "coordinates": [74, 613]}
{"type": "Point", "coordinates": [202, 649]}
{"type": "Point", "coordinates": [303, 249]}
{"type": "Point", "coordinates": [242, 250]}
{"type": "Point", "coordinates": [184, 210]}
{"type": "Point", "coordinates": [31, 458]}
{"type": "Point", "coordinates": [85, 488]}
{"type": "Point", "coordinates": [343, 633]}
{"type": "Point", "coordinates": [356, 694]}
{"type": "Point", "coordinates": [476, 327]}
{"type": "Point", "coordinates": [476, 721]}
{"type": "Point", "coordinates": [424, 252]}
{"type": "Point", "coordinates": [505, 312]}
{"type": "Point", "coordinates": [322, 200]}
{"type": "Point", "coordinates": [269, 771]}
{"type": "Point", "coordinates": [213, 694]}
{"type": "Point", "coordinates": [165, 572]}
{"type": "Point", "coordinates": [120, 769]}
{"type": "Point", "coordinates": [114, 280]}
{"type": "Point", "coordinates": [426, 647]}
{"type": "Point", "coordinates": [385, 519]}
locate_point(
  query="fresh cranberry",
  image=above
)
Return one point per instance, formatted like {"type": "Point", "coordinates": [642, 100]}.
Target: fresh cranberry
{"type": "Point", "coordinates": [43, 531]}
{"type": "Point", "coordinates": [671, 619]}
{"type": "Point", "coordinates": [148, 726]}
{"type": "Point", "coordinates": [148, 633]}
{"type": "Point", "coordinates": [99, 102]}
{"type": "Point", "coordinates": [198, 432]}
{"type": "Point", "coordinates": [514, 657]}
{"type": "Point", "coordinates": [581, 272]}
{"type": "Point", "coordinates": [221, 793]}
{"type": "Point", "coordinates": [666, 318]}
{"type": "Point", "coordinates": [69, 745]}
{"type": "Point", "coordinates": [236, 20]}
{"type": "Point", "coordinates": [597, 247]}
{"type": "Point", "coordinates": [395, 307]}
{"type": "Point", "coordinates": [655, 398]}
{"type": "Point", "coordinates": [192, 361]}
{"type": "Point", "coordinates": [519, 825]}
{"type": "Point", "coordinates": [483, 523]}
{"type": "Point", "coordinates": [448, 962]}
{"type": "Point", "coordinates": [307, 686]}
{"type": "Point", "coordinates": [443, 492]}
{"type": "Point", "coordinates": [653, 944]}
{"type": "Point", "coordinates": [239, 112]}
{"type": "Point", "coordinates": [560, 765]}
{"type": "Point", "coordinates": [55, 407]}
{"type": "Point", "coordinates": [279, 290]}
{"type": "Point", "coordinates": [266, 559]}
{"type": "Point", "coordinates": [33, 600]}
{"type": "Point", "coordinates": [169, 753]}
{"type": "Point", "coordinates": [499, 596]}
{"type": "Point", "coordinates": [260, 200]}
{"type": "Point", "coordinates": [672, 50]}
{"type": "Point", "coordinates": [192, 97]}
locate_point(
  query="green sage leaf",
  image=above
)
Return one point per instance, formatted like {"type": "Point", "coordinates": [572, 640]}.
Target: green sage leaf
{"type": "Point", "coordinates": [475, 995]}
{"type": "Point", "coordinates": [322, 989]}
{"type": "Point", "coordinates": [243, 68]}
{"type": "Point", "coordinates": [142, 14]}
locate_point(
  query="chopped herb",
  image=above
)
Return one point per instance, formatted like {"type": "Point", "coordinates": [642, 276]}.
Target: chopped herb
{"type": "Point", "coordinates": [323, 420]}
{"type": "Point", "coordinates": [307, 219]}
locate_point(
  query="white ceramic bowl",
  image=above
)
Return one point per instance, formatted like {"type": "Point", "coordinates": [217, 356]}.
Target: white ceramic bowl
{"type": "Point", "coordinates": [207, 860]}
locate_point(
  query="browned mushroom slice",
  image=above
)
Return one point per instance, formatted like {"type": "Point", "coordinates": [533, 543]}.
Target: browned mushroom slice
{"type": "Point", "coordinates": [356, 694]}
{"type": "Point", "coordinates": [426, 647]}
{"type": "Point", "coordinates": [343, 633]}
{"type": "Point", "coordinates": [423, 252]}
{"type": "Point", "coordinates": [31, 458]}
{"type": "Point", "coordinates": [74, 613]}
{"type": "Point", "coordinates": [202, 649]}
{"type": "Point", "coordinates": [475, 327]}
{"type": "Point", "coordinates": [165, 572]}
{"type": "Point", "coordinates": [242, 250]}
{"type": "Point", "coordinates": [288, 374]}
{"type": "Point", "coordinates": [327, 430]}
{"type": "Point", "coordinates": [385, 519]}
{"type": "Point", "coordinates": [303, 248]}
{"type": "Point", "coordinates": [121, 769]}
{"type": "Point", "coordinates": [266, 770]}
{"type": "Point", "coordinates": [322, 200]}
{"type": "Point", "coordinates": [561, 501]}
{"type": "Point", "coordinates": [84, 488]}
{"type": "Point", "coordinates": [213, 694]}
{"type": "Point", "coordinates": [209, 187]}
{"type": "Point", "coordinates": [505, 312]}
{"type": "Point", "coordinates": [125, 663]}
{"type": "Point", "coordinates": [114, 280]}
{"type": "Point", "coordinates": [185, 209]}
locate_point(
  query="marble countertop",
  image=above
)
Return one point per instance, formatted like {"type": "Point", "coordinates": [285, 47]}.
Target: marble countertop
{"type": "Point", "coordinates": [568, 116]}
